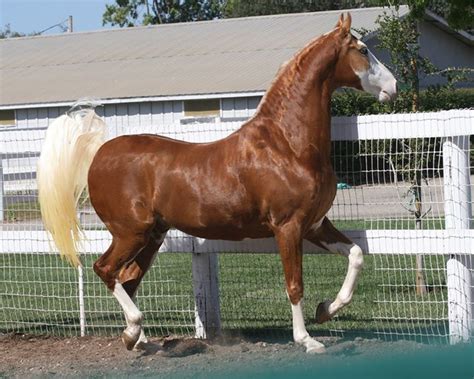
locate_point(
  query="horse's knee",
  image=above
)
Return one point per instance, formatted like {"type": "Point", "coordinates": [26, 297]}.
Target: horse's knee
{"type": "Point", "coordinates": [103, 271]}
{"type": "Point", "coordinates": [294, 292]}
{"type": "Point", "coordinates": [356, 257]}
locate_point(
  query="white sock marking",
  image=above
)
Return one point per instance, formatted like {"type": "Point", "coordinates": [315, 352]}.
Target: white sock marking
{"type": "Point", "coordinates": [299, 328]}
{"type": "Point", "coordinates": [354, 254]}
{"type": "Point", "coordinates": [300, 334]}
{"type": "Point", "coordinates": [132, 313]}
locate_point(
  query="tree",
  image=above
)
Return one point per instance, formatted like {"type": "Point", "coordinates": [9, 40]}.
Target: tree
{"type": "Point", "coordinates": [6, 32]}
{"type": "Point", "coordinates": [244, 8]}
{"type": "Point", "coordinates": [127, 13]}
{"type": "Point", "coordinates": [400, 37]}
{"type": "Point", "coordinates": [458, 13]}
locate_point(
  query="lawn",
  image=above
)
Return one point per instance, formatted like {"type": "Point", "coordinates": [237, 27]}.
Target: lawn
{"type": "Point", "coordinates": [39, 294]}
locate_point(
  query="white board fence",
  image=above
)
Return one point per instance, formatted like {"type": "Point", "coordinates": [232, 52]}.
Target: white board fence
{"type": "Point", "coordinates": [455, 241]}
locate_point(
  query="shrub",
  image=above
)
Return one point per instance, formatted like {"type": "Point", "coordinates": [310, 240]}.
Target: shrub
{"type": "Point", "coordinates": [436, 98]}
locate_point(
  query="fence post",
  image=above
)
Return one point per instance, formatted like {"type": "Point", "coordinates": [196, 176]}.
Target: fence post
{"type": "Point", "coordinates": [206, 294]}
{"type": "Point", "coordinates": [82, 312]}
{"type": "Point", "coordinates": [2, 193]}
{"type": "Point", "coordinates": [457, 212]}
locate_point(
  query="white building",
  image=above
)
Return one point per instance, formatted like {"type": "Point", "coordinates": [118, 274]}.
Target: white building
{"type": "Point", "coordinates": [176, 73]}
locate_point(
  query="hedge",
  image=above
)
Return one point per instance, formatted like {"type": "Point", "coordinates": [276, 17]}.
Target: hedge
{"type": "Point", "coordinates": [350, 102]}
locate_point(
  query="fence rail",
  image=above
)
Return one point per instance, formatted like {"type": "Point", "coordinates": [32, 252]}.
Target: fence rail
{"type": "Point", "coordinates": [378, 157]}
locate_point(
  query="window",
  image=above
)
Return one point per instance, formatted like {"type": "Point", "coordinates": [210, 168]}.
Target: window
{"type": "Point", "coordinates": [202, 108]}
{"type": "Point", "coordinates": [7, 118]}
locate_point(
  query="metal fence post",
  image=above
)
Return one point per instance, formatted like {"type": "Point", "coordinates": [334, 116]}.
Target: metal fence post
{"type": "Point", "coordinates": [82, 312]}
{"type": "Point", "coordinates": [457, 211]}
{"type": "Point", "coordinates": [206, 294]}
{"type": "Point", "coordinates": [2, 193]}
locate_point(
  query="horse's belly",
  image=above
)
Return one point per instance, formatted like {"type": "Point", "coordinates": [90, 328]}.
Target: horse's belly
{"type": "Point", "coordinates": [227, 232]}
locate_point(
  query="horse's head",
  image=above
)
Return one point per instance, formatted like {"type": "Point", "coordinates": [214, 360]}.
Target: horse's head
{"type": "Point", "coordinates": [357, 67]}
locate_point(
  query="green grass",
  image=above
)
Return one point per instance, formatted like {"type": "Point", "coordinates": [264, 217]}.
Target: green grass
{"type": "Point", "coordinates": [22, 211]}
{"type": "Point", "coordinates": [39, 294]}
{"type": "Point", "coordinates": [389, 224]}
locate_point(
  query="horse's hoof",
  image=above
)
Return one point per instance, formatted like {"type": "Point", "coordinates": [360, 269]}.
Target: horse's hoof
{"type": "Point", "coordinates": [322, 313]}
{"type": "Point", "coordinates": [140, 346]}
{"type": "Point", "coordinates": [141, 343]}
{"type": "Point", "coordinates": [316, 350]}
{"type": "Point", "coordinates": [313, 346]}
{"type": "Point", "coordinates": [128, 340]}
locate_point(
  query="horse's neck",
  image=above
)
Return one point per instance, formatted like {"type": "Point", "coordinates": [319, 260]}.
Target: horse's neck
{"type": "Point", "coordinates": [298, 102]}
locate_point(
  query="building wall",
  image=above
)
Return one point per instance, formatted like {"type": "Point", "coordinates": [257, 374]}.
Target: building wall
{"type": "Point", "coordinates": [441, 48]}
{"type": "Point", "coordinates": [37, 117]}
{"type": "Point", "coordinates": [444, 51]}
{"type": "Point", "coordinates": [119, 116]}
{"type": "Point", "coordinates": [241, 107]}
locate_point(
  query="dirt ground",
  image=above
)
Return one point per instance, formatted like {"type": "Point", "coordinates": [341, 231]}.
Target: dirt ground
{"type": "Point", "coordinates": [23, 356]}
{"type": "Point", "coordinates": [32, 356]}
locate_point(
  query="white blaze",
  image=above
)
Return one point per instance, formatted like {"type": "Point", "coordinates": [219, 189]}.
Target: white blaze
{"type": "Point", "coordinates": [377, 80]}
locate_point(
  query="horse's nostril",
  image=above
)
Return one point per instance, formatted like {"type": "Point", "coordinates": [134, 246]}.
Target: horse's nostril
{"type": "Point", "coordinates": [387, 95]}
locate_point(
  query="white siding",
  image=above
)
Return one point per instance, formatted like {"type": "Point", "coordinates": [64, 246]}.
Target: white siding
{"type": "Point", "coordinates": [37, 117]}
{"type": "Point", "coordinates": [120, 117]}
{"type": "Point", "coordinates": [241, 107]}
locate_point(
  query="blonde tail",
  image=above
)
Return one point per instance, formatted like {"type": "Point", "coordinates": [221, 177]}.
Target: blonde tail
{"type": "Point", "coordinates": [71, 143]}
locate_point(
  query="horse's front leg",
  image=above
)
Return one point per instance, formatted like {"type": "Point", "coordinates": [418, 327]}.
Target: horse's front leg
{"type": "Point", "coordinates": [290, 244]}
{"type": "Point", "coordinates": [325, 235]}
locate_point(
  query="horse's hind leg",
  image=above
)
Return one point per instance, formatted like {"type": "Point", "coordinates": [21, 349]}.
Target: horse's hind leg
{"type": "Point", "coordinates": [131, 275]}
{"type": "Point", "coordinates": [122, 251]}
{"type": "Point", "coordinates": [328, 237]}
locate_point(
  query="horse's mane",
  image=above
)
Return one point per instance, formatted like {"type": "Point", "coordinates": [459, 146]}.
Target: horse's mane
{"type": "Point", "coordinates": [293, 66]}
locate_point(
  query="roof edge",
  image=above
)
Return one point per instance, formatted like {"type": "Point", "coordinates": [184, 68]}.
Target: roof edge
{"type": "Point", "coordinates": [442, 24]}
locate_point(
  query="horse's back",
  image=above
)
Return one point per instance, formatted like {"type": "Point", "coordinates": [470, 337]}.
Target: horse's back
{"type": "Point", "coordinates": [180, 182]}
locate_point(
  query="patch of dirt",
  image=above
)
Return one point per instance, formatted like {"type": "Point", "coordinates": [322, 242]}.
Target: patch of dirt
{"type": "Point", "coordinates": [33, 356]}
{"type": "Point", "coordinates": [28, 356]}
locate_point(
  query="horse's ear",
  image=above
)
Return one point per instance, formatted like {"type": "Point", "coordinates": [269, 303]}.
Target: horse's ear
{"type": "Point", "coordinates": [340, 21]}
{"type": "Point", "coordinates": [347, 23]}
{"type": "Point", "coordinates": [344, 25]}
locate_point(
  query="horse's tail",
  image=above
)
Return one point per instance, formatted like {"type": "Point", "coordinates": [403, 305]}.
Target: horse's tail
{"type": "Point", "coordinates": [72, 140]}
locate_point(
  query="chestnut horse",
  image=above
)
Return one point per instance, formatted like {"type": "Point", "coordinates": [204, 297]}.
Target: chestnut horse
{"type": "Point", "coordinates": [272, 177]}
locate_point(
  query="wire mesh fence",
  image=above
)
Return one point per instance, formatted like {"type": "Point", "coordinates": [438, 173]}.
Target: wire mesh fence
{"type": "Point", "coordinates": [392, 180]}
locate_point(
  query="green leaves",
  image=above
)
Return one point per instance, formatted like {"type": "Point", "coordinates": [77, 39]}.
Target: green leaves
{"type": "Point", "coordinates": [121, 14]}
{"type": "Point", "coordinates": [7, 32]}
{"type": "Point", "coordinates": [126, 13]}
{"type": "Point", "coordinates": [458, 13]}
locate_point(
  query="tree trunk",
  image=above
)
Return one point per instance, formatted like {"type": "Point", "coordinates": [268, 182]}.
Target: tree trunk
{"type": "Point", "coordinates": [420, 276]}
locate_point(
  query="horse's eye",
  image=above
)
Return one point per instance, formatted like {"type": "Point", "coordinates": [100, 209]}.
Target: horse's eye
{"type": "Point", "coordinates": [364, 51]}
